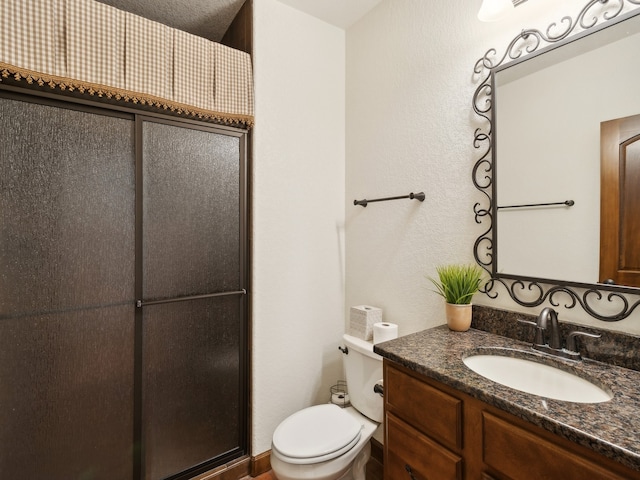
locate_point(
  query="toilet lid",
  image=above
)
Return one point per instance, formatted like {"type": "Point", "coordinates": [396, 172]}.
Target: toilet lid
{"type": "Point", "coordinates": [317, 431]}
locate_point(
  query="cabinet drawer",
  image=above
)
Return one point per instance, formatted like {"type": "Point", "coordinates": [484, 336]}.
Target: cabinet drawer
{"type": "Point", "coordinates": [409, 449]}
{"type": "Point", "coordinates": [518, 453]}
{"type": "Point", "coordinates": [430, 410]}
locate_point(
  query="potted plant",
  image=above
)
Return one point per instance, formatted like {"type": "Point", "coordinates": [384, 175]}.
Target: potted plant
{"type": "Point", "coordinates": [458, 284]}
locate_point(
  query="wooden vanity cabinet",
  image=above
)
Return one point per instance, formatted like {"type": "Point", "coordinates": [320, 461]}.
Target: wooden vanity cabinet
{"type": "Point", "coordinates": [434, 432]}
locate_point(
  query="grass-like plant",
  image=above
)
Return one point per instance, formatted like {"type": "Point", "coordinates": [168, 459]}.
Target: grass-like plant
{"type": "Point", "coordinates": [458, 283]}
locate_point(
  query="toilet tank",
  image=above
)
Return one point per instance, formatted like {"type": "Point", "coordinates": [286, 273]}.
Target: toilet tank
{"type": "Point", "coordinates": [363, 369]}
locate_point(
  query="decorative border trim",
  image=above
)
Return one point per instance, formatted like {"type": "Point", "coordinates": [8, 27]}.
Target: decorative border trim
{"type": "Point", "coordinates": [525, 291]}
{"type": "Point", "coordinates": [87, 88]}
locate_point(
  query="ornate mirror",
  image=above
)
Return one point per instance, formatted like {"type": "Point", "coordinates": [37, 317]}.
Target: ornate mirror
{"type": "Point", "coordinates": [546, 107]}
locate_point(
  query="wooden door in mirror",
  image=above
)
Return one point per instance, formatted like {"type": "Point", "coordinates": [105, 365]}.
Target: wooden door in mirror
{"type": "Point", "coordinates": [620, 201]}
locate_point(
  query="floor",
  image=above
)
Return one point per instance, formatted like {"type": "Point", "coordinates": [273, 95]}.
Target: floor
{"type": "Point", "coordinates": [264, 476]}
{"type": "Point", "coordinates": [374, 472]}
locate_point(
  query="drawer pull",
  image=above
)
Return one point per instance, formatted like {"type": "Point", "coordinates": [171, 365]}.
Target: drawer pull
{"type": "Point", "coordinates": [408, 469]}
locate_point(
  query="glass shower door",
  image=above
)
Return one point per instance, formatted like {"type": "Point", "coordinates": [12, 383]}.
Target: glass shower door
{"type": "Point", "coordinates": [191, 315]}
{"type": "Point", "coordinates": [67, 190]}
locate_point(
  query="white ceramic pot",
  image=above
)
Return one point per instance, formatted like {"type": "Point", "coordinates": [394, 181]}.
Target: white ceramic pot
{"type": "Point", "coordinates": [458, 316]}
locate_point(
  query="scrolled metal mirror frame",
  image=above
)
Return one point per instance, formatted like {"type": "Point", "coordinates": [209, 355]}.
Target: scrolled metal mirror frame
{"type": "Point", "coordinates": [529, 291]}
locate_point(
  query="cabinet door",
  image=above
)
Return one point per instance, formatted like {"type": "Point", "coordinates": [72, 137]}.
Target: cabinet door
{"type": "Point", "coordinates": [193, 328]}
{"type": "Point", "coordinates": [428, 409]}
{"type": "Point", "coordinates": [414, 456]}
{"type": "Point", "coordinates": [520, 454]}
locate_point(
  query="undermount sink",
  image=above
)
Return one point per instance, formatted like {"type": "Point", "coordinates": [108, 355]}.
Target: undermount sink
{"type": "Point", "coordinates": [536, 378]}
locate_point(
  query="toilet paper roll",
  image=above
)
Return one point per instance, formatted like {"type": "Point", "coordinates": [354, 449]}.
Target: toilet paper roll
{"type": "Point", "coordinates": [340, 398]}
{"type": "Point", "coordinates": [384, 331]}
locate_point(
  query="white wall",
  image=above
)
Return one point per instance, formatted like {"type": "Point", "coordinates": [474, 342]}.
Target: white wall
{"type": "Point", "coordinates": [408, 112]}
{"type": "Point", "coordinates": [409, 127]}
{"type": "Point", "coordinates": [298, 214]}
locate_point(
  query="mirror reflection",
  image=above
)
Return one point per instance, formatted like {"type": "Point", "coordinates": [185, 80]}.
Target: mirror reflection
{"type": "Point", "coordinates": [548, 114]}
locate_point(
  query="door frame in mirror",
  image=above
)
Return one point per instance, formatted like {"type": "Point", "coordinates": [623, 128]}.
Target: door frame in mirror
{"type": "Point", "coordinates": [597, 300]}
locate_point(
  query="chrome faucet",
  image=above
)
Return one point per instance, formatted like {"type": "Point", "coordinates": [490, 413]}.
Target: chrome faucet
{"type": "Point", "coordinates": [548, 337]}
{"type": "Point", "coordinates": [549, 315]}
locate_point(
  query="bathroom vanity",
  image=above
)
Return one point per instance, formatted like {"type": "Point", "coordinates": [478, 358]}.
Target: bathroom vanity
{"type": "Point", "coordinates": [443, 421]}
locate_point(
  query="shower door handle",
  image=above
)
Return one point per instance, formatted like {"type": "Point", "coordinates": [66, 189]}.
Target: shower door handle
{"type": "Point", "coordinates": [142, 303]}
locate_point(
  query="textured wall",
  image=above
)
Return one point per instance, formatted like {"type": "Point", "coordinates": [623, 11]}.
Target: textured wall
{"type": "Point", "coordinates": [410, 127]}
{"type": "Point", "coordinates": [298, 214]}
{"type": "Point", "coordinates": [409, 90]}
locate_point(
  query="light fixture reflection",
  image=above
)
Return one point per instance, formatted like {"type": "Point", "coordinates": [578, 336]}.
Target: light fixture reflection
{"type": "Point", "coordinates": [493, 10]}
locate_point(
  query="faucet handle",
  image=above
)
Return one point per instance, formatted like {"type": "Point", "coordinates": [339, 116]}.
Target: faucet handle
{"type": "Point", "coordinates": [571, 339]}
{"type": "Point", "coordinates": [528, 322]}
{"type": "Point", "coordinates": [539, 340]}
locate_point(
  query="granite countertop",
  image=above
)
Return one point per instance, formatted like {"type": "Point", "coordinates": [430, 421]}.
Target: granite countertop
{"type": "Point", "coordinates": [611, 428]}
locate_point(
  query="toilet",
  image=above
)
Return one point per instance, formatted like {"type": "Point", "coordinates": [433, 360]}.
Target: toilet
{"type": "Point", "coordinates": [327, 442]}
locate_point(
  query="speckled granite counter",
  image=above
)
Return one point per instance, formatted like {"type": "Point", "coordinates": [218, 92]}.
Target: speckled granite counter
{"type": "Point", "coordinates": [611, 428]}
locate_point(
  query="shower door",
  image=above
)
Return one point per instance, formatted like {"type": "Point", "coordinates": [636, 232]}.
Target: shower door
{"type": "Point", "coordinates": [67, 196]}
{"type": "Point", "coordinates": [122, 294]}
{"type": "Point", "coordinates": [192, 297]}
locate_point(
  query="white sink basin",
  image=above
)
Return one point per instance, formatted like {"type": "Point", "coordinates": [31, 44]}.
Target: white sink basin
{"type": "Point", "coordinates": [536, 378]}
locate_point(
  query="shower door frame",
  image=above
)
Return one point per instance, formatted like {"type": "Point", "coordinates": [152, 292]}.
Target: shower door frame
{"type": "Point", "coordinates": [39, 95]}
{"type": "Point", "coordinates": [141, 303]}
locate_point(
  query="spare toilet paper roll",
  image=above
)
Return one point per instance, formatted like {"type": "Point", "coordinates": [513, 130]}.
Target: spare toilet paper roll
{"type": "Point", "coordinates": [340, 398]}
{"type": "Point", "coordinates": [384, 331]}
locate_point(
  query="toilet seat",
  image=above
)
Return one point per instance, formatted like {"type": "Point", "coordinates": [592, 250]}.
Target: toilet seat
{"type": "Point", "coordinates": [316, 434]}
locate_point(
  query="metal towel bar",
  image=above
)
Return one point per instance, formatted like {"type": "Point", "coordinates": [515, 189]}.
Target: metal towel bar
{"type": "Point", "coordinates": [568, 203]}
{"type": "Point", "coordinates": [411, 196]}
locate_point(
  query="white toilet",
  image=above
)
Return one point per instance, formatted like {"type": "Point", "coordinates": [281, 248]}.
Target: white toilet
{"type": "Point", "coordinates": [327, 442]}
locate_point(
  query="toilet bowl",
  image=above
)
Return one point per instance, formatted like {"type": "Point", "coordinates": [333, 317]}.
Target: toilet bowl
{"type": "Point", "coordinates": [327, 442]}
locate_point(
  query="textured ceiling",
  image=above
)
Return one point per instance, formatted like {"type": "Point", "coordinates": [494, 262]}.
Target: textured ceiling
{"type": "Point", "coordinates": [211, 18]}
{"type": "Point", "coordinates": [341, 13]}
{"type": "Point", "coordinates": [205, 18]}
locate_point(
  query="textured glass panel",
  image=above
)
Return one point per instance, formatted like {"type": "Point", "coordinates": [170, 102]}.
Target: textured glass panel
{"type": "Point", "coordinates": [191, 211]}
{"type": "Point", "coordinates": [66, 246]}
{"type": "Point", "coordinates": [66, 395]}
{"type": "Point", "coordinates": [192, 381]}
{"type": "Point", "coordinates": [66, 209]}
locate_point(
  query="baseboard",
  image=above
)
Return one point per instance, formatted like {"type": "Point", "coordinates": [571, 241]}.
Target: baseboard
{"type": "Point", "coordinates": [260, 463]}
